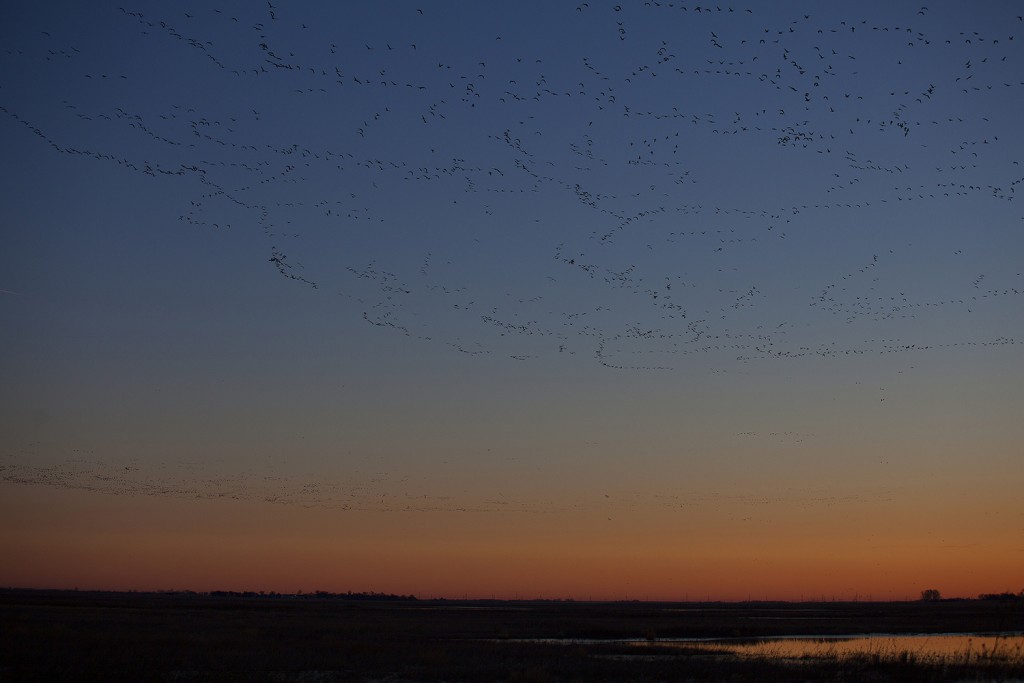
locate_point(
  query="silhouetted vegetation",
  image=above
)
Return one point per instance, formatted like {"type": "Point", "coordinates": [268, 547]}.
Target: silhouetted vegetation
{"type": "Point", "coordinates": [317, 595]}
{"type": "Point", "coordinates": [1003, 597]}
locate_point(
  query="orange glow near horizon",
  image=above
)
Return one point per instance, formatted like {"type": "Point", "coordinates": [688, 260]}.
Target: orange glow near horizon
{"type": "Point", "coordinates": [75, 539]}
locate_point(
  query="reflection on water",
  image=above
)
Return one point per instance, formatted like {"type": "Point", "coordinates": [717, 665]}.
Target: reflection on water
{"type": "Point", "coordinates": [958, 647]}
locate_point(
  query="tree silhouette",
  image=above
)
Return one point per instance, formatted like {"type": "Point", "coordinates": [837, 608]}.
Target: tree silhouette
{"type": "Point", "coordinates": [930, 594]}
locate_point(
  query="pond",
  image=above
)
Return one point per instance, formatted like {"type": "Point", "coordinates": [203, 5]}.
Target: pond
{"type": "Point", "coordinates": [939, 647]}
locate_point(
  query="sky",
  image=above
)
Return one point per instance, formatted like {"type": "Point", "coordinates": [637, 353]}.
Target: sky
{"type": "Point", "coordinates": [603, 300]}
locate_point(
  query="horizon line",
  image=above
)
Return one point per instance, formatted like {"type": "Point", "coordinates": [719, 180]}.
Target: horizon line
{"type": "Point", "coordinates": [371, 596]}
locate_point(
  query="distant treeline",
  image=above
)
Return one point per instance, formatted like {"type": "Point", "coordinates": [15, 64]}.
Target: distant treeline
{"type": "Point", "coordinates": [315, 595]}
{"type": "Point", "coordinates": [298, 595]}
{"type": "Point", "coordinates": [1005, 597]}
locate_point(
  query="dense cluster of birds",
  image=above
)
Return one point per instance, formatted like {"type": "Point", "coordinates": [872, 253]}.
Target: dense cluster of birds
{"type": "Point", "coordinates": [640, 183]}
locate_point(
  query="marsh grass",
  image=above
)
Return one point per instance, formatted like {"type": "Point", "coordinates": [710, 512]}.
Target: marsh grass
{"type": "Point", "coordinates": [911, 658]}
{"type": "Point", "coordinates": [996, 650]}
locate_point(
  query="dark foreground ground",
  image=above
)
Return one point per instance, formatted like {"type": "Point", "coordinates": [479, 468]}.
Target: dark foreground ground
{"type": "Point", "coordinates": [71, 636]}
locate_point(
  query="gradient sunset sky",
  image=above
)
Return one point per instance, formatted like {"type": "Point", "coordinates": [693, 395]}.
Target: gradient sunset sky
{"type": "Point", "coordinates": [596, 300]}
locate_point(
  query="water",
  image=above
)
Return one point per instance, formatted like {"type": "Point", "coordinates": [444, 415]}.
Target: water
{"type": "Point", "coordinates": [942, 647]}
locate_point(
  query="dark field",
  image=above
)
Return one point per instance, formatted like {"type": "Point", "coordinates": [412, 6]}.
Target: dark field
{"type": "Point", "coordinates": [65, 636]}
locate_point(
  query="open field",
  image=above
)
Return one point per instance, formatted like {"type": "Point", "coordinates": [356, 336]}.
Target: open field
{"type": "Point", "coordinates": [65, 636]}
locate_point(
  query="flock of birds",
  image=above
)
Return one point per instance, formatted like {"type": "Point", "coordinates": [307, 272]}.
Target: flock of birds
{"type": "Point", "coordinates": [625, 184]}
{"type": "Point", "coordinates": [381, 491]}
{"type": "Point", "coordinates": [649, 185]}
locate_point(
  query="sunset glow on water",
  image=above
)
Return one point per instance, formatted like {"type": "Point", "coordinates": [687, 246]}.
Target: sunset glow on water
{"type": "Point", "coordinates": [959, 647]}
